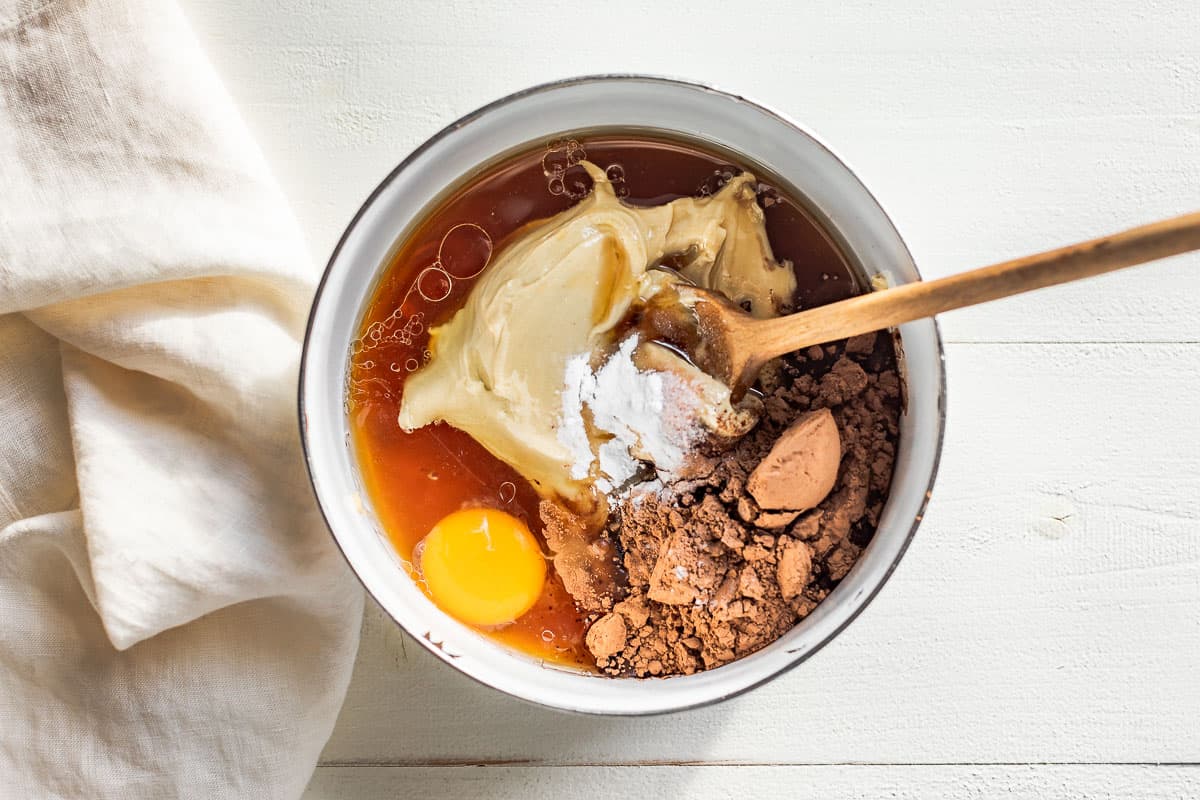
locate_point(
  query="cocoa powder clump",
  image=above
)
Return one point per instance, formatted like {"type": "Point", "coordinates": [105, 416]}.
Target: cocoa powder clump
{"type": "Point", "coordinates": [711, 576]}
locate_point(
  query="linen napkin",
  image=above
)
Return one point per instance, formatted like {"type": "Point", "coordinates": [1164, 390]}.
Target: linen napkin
{"type": "Point", "coordinates": [174, 620]}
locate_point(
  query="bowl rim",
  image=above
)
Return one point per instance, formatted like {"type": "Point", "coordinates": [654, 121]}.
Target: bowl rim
{"type": "Point", "coordinates": [472, 116]}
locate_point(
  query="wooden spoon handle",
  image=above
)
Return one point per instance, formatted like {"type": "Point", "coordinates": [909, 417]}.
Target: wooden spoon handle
{"type": "Point", "coordinates": [890, 307]}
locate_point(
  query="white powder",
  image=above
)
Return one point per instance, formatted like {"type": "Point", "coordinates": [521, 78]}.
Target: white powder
{"type": "Point", "coordinates": [616, 465]}
{"type": "Point", "coordinates": [626, 404]}
{"type": "Point", "coordinates": [572, 432]}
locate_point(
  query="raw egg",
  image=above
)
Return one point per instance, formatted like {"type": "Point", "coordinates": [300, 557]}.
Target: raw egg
{"type": "Point", "coordinates": [482, 566]}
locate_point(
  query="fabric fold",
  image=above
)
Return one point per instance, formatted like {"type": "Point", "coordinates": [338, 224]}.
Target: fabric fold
{"type": "Point", "coordinates": [174, 618]}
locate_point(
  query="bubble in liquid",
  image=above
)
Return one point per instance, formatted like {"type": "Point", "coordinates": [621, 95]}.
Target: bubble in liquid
{"type": "Point", "coordinates": [554, 163]}
{"type": "Point", "coordinates": [561, 154]}
{"type": "Point", "coordinates": [616, 176]}
{"type": "Point", "coordinates": [434, 284]}
{"type": "Point", "coordinates": [719, 177]}
{"type": "Point", "coordinates": [508, 492]}
{"type": "Point", "coordinates": [576, 182]}
{"type": "Point", "coordinates": [547, 635]}
{"type": "Point", "coordinates": [465, 251]}
{"type": "Point", "coordinates": [560, 157]}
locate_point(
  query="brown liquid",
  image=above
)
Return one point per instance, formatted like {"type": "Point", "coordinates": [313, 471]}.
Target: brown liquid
{"type": "Point", "coordinates": [415, 479]}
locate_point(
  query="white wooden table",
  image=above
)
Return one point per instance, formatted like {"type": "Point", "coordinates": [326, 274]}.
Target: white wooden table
{"type": "Point", "coordinates": [1042, 635]}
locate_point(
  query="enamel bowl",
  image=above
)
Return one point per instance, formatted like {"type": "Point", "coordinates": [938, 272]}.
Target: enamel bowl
{"type": "Point", "coordinates": [833, 194]}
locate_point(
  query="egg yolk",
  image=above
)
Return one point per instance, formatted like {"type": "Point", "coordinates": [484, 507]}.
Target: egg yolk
{"type": "Point", "coordinates": [482, 566]}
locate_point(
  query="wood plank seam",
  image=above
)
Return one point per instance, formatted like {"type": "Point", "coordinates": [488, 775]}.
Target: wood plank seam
{"type": "Point", "coordinates": [521, 762]}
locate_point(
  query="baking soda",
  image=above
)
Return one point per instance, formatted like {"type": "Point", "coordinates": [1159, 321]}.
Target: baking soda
{"type": "Point", "coordinates": [629, 417]}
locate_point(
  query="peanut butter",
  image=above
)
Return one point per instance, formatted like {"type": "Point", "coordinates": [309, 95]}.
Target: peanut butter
{"type": "Point", "coordinates": [560, 290]}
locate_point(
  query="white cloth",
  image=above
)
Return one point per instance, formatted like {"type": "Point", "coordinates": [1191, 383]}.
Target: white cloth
{"type": "Point", "coordinates": [174, 618]}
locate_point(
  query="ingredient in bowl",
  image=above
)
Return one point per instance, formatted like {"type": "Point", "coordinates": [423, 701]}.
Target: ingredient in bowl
{"type": "Point", "coordinates": [801, 467]}
{"type": "Point", "coordinates": [482, 566]}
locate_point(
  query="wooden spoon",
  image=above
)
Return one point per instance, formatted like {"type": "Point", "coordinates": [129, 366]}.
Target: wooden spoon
{"type": "Point", "coordinates": [735, 346]}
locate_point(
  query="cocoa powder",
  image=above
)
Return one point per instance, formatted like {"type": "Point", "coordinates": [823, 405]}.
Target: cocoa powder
{"type": "Point", "coordinates": [711, 576]}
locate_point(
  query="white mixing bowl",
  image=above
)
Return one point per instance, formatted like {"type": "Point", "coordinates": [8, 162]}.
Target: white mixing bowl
{"type": "Point", "coordinates": [818, 177]}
